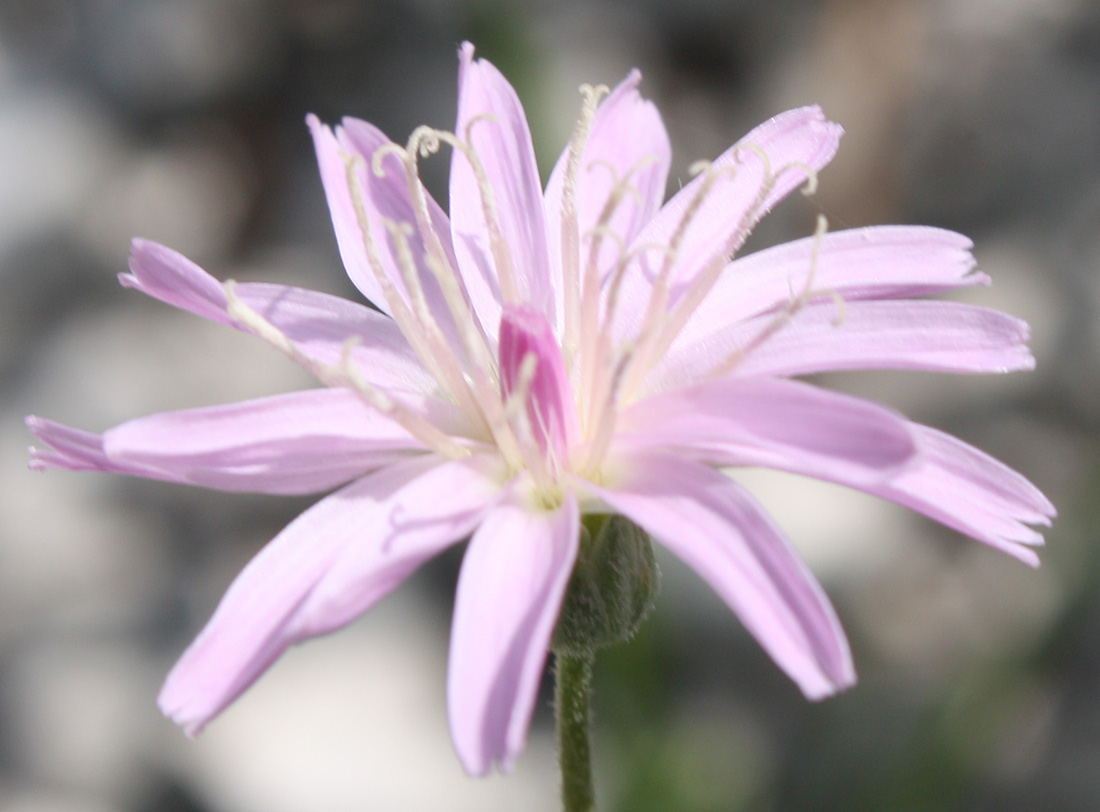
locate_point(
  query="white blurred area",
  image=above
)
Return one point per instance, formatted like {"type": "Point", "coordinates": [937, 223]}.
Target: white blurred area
{"type": "Point", "coordinates": [101, 584]}
{"type": "Point", "coordinates": [356, 721]}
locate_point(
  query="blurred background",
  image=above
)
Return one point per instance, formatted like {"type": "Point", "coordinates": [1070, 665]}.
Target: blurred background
{"type": "Point", "coordinates": [182, 121]}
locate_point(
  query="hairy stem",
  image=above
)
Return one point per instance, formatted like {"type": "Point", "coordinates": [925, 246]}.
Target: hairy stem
{"type": "Point", "coordinates": [573, 678]}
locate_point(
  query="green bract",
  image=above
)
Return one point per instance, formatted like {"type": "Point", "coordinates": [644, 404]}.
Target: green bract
{"type": "Point", "coordinates": [612, 588]}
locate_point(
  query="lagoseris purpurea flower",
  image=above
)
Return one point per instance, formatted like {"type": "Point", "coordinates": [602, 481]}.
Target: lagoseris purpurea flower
{"type": "Point", "coordinates": [537, 356]}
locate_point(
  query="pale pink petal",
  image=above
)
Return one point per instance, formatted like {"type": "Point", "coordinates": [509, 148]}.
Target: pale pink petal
{"type": "Point", "coordinates": [492, 121]}
{"type": "Point", "coordinates": [717, 529]}
{"type": "Point", "coordinates": [780, 424]}
{"type": "Point", "coordinates": [164, 274]}
{"type": "Point", "coordinates": [329, 329]}
{"type": "Point", "coordinates": [332, 160]}
{"type": "Point", "coordinates": [738, 198]}
{"type": "Point", "coordinates": [879, 262]}
{"type": "Point", "coordinates": [969, 491]}
{"type": "Point", "coordinates": [726, 423]}
{"type": "Point", "coordinates": [627, 142]}
{"type": "Point", "coordinates": [826, 336]}
{"type": "Point", "coordinates": [71, 449]}
{"type": "Point", "coordinates": [510, 590]}
{"type": "Point", "coordinates": [445, 504]}
{"type": "Point", "coordinates": [296, 443]}
{"type": "Point", "coordinates": [321, 325]}
{"type": "Point", "coordinates": [792, 141]}
{"type": "Point", "coordinates": [386, 203]}
{"type": "Point", "coordinates": [255, 621]}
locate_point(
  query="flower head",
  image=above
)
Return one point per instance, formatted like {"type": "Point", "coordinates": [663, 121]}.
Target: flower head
{"type": "Point", "coordinates": [541, 355]}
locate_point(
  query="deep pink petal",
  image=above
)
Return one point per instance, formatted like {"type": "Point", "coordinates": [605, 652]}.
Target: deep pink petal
{"type": "Point", "coordinates": [551, 413]}
{"type": "Point", "coordinates": [256, 620]}
{"type": "Point", "coordinates": [879, 262]}
{"type": "Point", "coordinates": [491, 118]}
{"type": "Point", "coordinates": [780, 424]}
{"type": "Point", "coordinates": [826, 336]}
{"type": "Point", "coordinates": [300, 442]}
{"type": "Point", "coordinates": [627, 141]}
{"type": "Point", "coordinates": [321, 325]}
{"type": "Point", "coordinates": [716, 528]}
{"type": "Point", "coordinates": [510, 590]}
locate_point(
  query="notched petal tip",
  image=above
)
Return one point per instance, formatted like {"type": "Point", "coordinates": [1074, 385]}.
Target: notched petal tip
{"type": "Point", "coordinates": [810, 115]}
{"type": "Point", "coordinates": [827, 691]}
{"type": "Point", "coordinates": [38, 458]}
{"type": "Point", "coordinates": [177, 714]}
{"type": "Point", "coordinates": [142, 244]}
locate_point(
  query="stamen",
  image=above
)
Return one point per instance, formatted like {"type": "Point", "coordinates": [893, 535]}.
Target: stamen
{"type": "Point", "coordinates": [594, 277]}
{"type": "Point", "coordinates": [650, 343]}
{"type": "Point", "coordinates": [789, 311]}
{"type": "Point", "coordinates": [516, 400]}
{"type": "Point", "coordinates": [265, 330]}
{"type": "Point", "coordinates": [605, 412]}
{"type": "Point", "coordinates": [519, 416]}
{"type": "Point", "coordinates": [625, 262]}
{"type": "Point", "coordinates": [599, 387]}
{"type": "Point", "coordinates": [504, 436]}
{"type": "Point", "coordinates": [592, 360]}
{"type": "Point", "coordinates": [469, 328]}
{"type": "Point", "coordinates": [710, 178]}
{"type": "Point", "coordinates": [811, 176]}
{"type": "Point", "coordinates": [446, 362]}
{"type": "Point", "coordinates": [502, 254]}
{"type": "Point", "coordinates": [400, 233]}
{"type": "Point", "coordinates": [398, 307]}
{"type": "Point", "coordinates": [699, 167]}
{"type": "Point", "coordinates": [425, 141]}
{"type": "Point", "coordinates": [407, 419]}
{"type": "Point", "coordinates": [617, 182]}
{"type": "Point", "coordinates": [570, 236]}
{"type": "Point", "coordinates": [383, 152]}
{"type": "Point", "coordinates": [594, 386]}
{"type": "Point", "coordinates": [666, 329]}
{"type": "Point", "coordinates": [620, 188]}
{"type": "Point", "coordinates": [438, 359]}
{"type": "Point", "coordinates": [482, 377]}
{"type": "Point", "coordinates": [346, 376]}
{"type": "Point", "coordinates": [758, 151]}
{"type": "Point", "coordinates": [841, 308]}
{"type": "Point", "coordinates": [503, 422]}
{"type": "Point", "coordinates": [703, 283]}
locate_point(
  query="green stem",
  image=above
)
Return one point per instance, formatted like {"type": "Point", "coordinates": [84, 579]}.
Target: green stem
{"type": "Point", "coordinates": [573, 678]}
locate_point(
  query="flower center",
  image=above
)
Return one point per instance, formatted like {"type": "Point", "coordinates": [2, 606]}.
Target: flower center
{"type": "Point", "coordinates": [548, 403]}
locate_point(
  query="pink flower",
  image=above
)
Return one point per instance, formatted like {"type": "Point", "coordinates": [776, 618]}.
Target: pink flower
{"type": "Point", "coordinates": [543, 355]}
